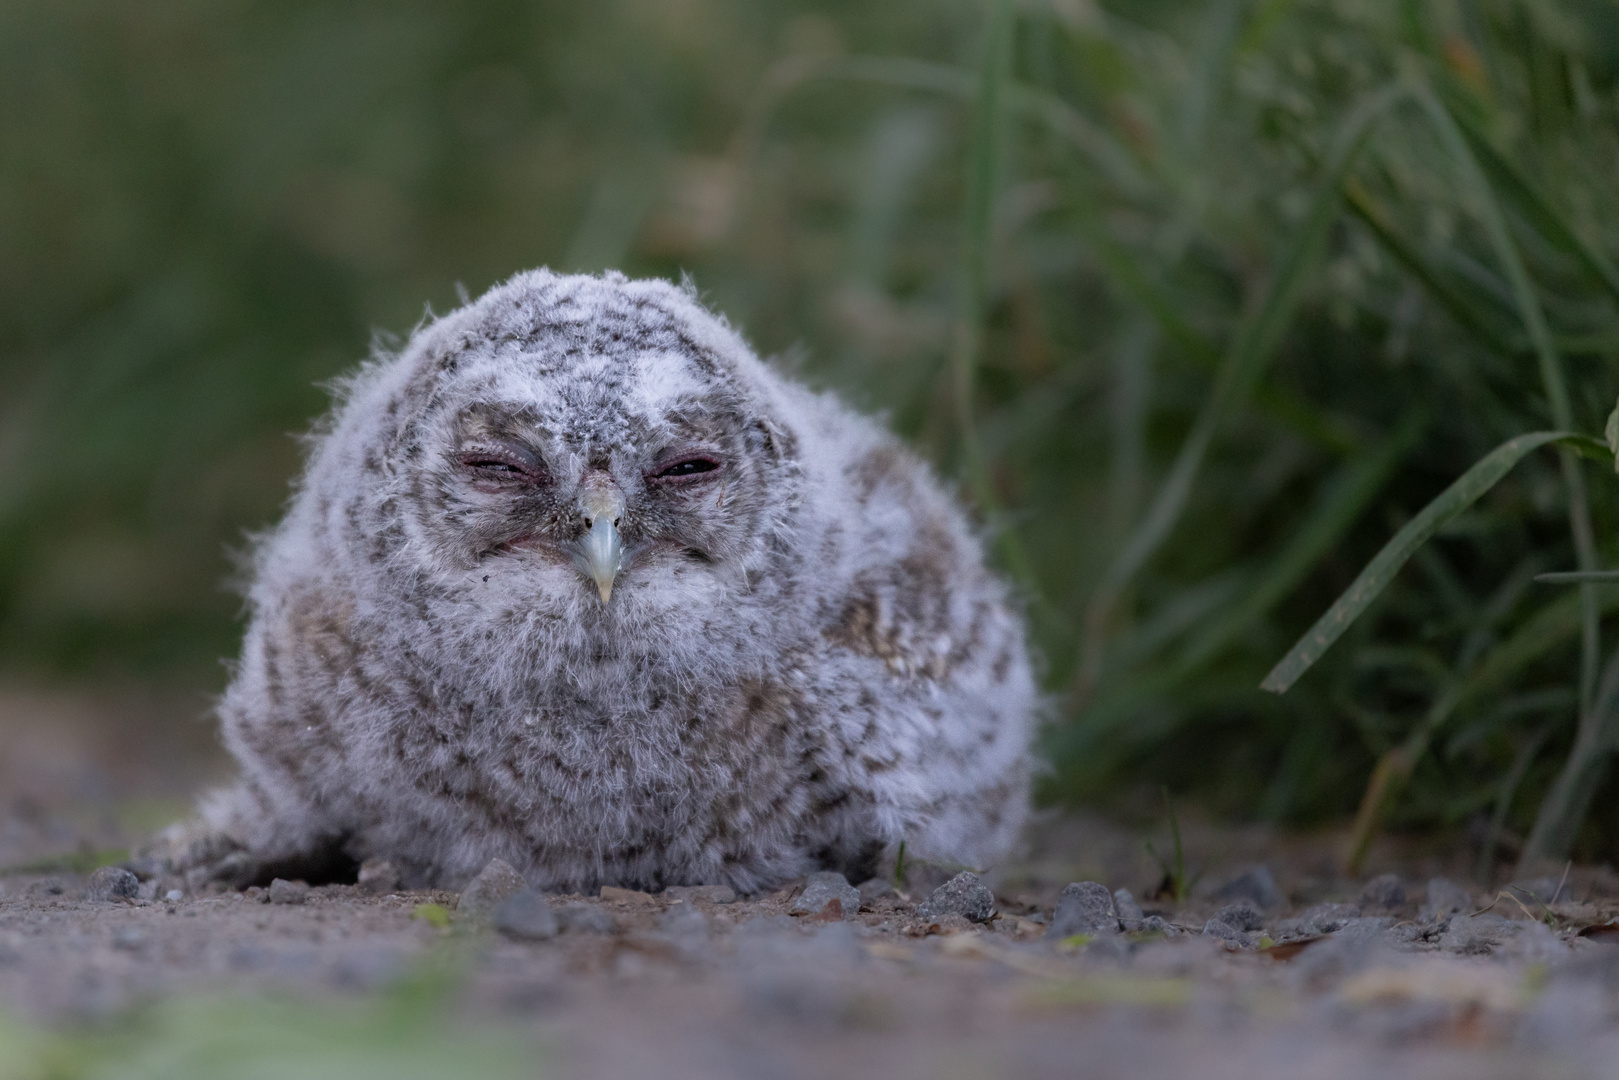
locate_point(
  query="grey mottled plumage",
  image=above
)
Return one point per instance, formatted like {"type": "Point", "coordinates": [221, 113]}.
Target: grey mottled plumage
{"type": "Point", "coordinates": [575, 581]}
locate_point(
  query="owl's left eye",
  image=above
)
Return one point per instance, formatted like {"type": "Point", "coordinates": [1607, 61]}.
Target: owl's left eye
{"type": "Point", "coordinates": [686, 468]}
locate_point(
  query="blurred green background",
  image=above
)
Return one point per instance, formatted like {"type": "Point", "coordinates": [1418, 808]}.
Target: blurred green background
{"type": "Point", "coordinates": [1111, 265]}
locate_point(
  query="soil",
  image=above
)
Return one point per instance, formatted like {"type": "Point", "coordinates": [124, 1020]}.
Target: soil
{"type": "Point", "coordinates": [640, 985]}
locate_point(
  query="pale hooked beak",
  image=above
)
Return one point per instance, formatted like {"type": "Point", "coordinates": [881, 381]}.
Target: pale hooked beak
{"type": "Point", "coordinates": [601, 552]}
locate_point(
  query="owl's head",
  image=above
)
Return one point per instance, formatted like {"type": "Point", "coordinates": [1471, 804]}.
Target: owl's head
{"type": "Point", "coordinates": [597, 443]}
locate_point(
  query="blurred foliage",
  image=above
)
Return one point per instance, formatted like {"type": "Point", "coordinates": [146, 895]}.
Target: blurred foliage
{"type": "Point", "coordinates": [1202, 299]}
{"type": "Point", "coordinates": [410, 1030]}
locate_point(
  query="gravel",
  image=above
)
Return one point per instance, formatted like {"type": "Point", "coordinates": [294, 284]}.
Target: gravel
{"type": "Point", "coordinates": [1384, 893]}
{"type": "Point", "coordinates": [494, 883]}
{"type": "Point", "coordinates": [584, 919]}
{"type": "Point", "coordinates": [526, 916]}
{"type": "Point", "coordinates": [283, 891]}
{"type": "Point", "coordinates": [827, 896]}
{"type": "Point", "coordinates": [875, 889]}
{"type": "Point", "coordinates": [965, 895]}
{"type": "Point", "coordinates": [111, 883]}
{"type": "Point", "coordinates": [1325, 918]}
{"type": "Point", "coordinates": [701, 894]}
{"type": "Point", "coordinates": [1083, 907]}
{"type": "Point", "coordinates": [1130, 915]}
{"type": "Point", "coordinates": [1242, 916]}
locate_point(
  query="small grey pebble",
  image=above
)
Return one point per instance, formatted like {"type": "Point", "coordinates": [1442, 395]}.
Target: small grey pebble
{"type": "Point", "coordinates": [708, 894]}
{"type": "Point", "coordinates": [1255, 885]}
{"type": "Point", "coordinates": [1129, 912]}
{"type": "Point", "coordinates": [1216, 928]}
{"type": "Point", "coordinates": [1384, 893]}
{"type": "Point", "coordinates": [1444, 898]}
{"type": "Point", "coordinates": [1243, 916]}
{"type": "Point", "coordinates": [283, 891]}
{"type": "Point", "coordinates": [1157, 924]}
{"type": "Point", "coordinates": [494, 883]}
{"type": "Point", "coordinates": [175, 894]}
{"type": "Point", "coordinates": [1326, 918]}
{"type": "Point", "coordinates": [527, 916]}
{"type": "Point", "coordinates": [1083, 907]}
{"type": "Point", "coordinates": [584, 919]}
{"type": "Point", "coordinates": [965, 895]}
{"type": "Point", "coordinates": [1473, 935]}
{"type": "Point", "coordinates": [827, 896]}
{"type": "Point", "coordinates": [874, 889]}
{"type": "Point", "coordinates": [378, 877]}
{"type": "Point", "coordinates": [112, 883]}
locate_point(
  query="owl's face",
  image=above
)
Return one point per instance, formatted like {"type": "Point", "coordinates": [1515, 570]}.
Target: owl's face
{"type": "Point", "coordinates": [614, 475]}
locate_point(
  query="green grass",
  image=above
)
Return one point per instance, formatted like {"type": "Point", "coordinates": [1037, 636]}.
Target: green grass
{"type": "Point", "coordinates": [402, 1034]}
{"type": "Point", "coordinates": [1205, 303]}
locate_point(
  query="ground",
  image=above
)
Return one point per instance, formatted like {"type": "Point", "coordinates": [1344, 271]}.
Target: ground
{"type": "Point", "coordinates": [349, 981]}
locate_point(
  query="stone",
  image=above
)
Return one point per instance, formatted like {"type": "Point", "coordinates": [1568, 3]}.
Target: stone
{"type": "Point", "coordinates": [965, 895]}
{"type": "Point", "coordinates": [944, 925]}
{"type": "Point", "coordinates": [826, 897]}
{"type": "Point", "coordinates": [612, 894]}
{"type": "Point", "coordinates": [1444, 898]}
{"type": "Point", "coordinates": [526, 916]}
{"type": "Point", "coordinates": [1476, 934]}
{"type": "Point", "coordinates": [175, 894]}
{"type": "Point", "coordinates": [1231, 935]}
{"type": "Point", "coordinates": [1083, 907]}
{"type": "Point", "coordinates": [701, 894]}
{"type": "Point", "coordinates": [875, 889]}
{"type": "Point", "coordinates": [1326, 918]}
{"type": "Point", "coordinates": [378, 877]}
{"type": "Point", "coordinates": [1255, 885]}
{"type": "Point", "coordinates": [1384, 893]}
{"type": "Point", "coordinates": [112, 883]}
{"type": "Point", "coordinates": [584, 919]}
{"type": "Point", "coordinates": [1243, 916]}
{"type": "Point", "coordinates": [283, 891]}
{"type": "Point", "coordinates": [1129, 912]}
{"type": "Point", "coordinates": [1157, 924]}
{"type": "Point", "coordinates": [494, 883]}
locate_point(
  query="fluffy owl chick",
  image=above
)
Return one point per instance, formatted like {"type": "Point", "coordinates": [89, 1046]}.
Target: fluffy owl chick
{"type": "Point", "coordinates": [575, 581]}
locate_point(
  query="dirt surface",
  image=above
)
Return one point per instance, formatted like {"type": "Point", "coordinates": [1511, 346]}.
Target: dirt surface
{"type": "Point", "coordinates": [1404, 977]}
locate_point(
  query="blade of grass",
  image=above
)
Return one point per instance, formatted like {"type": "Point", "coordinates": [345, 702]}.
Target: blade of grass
{"type": "Point", "coordinates": [1461, 494]}
{"type": "Point", "coordinates": [1463, 311]}
{"type": "Point", "coordinates": [1250, 351]}
{"type": "Point", "coordinates": [1341, 502]}
{"type": "Point", "coordinates": [985, 159]}
{"type": "Point", "coordinates": [1579, 577]}
{"type": "Point", "coordinates": [1551, 368]}
{"type": "Point", "coordinates": [1565, 807]}
{"type": "Point", "coordinates": [1536, 208]}
{"type": "Point", "coordinates": [1539, 635]}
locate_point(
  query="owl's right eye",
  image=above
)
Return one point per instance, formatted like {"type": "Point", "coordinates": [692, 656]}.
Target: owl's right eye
{"type": "Point", "coordinates": [502, 465]}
